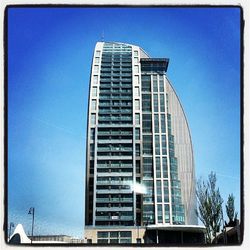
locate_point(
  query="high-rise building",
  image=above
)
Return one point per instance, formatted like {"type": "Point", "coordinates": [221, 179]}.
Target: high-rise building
{"type": "Point", "coordinates": [140, 167]}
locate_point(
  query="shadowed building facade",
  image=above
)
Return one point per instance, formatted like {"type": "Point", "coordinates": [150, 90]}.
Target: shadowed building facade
{"type": "Point", "coordinates": [139, 166]}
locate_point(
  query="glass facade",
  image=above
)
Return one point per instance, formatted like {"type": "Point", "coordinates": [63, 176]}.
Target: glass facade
{"type": "Point", "coordinates": [114, 237]}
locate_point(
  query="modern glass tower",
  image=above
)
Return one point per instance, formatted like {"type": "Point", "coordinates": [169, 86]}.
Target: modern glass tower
{"type": "Point", "coordinates": [140, 167]}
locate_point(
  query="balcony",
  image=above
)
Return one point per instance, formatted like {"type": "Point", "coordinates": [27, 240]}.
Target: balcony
{"type": "Point", "coordinates": [108, 218]}
{"type": "Point", "coordinates": [113, 182]}
{"type": "Point", "coordinates": [115, 174]}
{"type": "Point", "coordinates": [114, 149]}
{"type": "Point", "coordinates": [104, 104]}
{"type": "Point", "coordinates": [115, 111]}
{"type": "Point", "coordinates": [114, 191]}
{"type": "Point", "coordinates": [112, 209]}
{"type": "Point", "coordinates": [103, 218]}
{"type": "Point", "coordinates": [102, 200]}
{"type": "Point", "coordinates": [126, 217]}
{"type": "Point", "coordinates": [114, 166]}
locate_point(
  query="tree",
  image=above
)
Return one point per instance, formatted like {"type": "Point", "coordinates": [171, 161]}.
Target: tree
{"type": "Point", "coordinates": [230, 209]}
{"type": "Point", "coordinates": [209, 206]}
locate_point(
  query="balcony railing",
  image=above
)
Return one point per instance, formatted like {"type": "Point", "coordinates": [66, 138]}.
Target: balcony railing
{"type": "Point", "coordinates": [111, 209]}
{"type": "Point", "coordinates": [113, 191]}
{"type": "Point", "coordinates": [114, 166]}
{"type": "Point", "coordinates": [107, 218]}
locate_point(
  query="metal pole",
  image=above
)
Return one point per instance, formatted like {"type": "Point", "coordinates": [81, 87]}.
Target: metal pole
{"type": "Point", "coordinates": [33, 217]}
{"type": "Point", "coordinates": [32, 211]}
{"type": "Point", "coordinates": [9, 231]}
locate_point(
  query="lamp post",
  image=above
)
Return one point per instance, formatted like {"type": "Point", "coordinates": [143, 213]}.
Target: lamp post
{"type": "Point", "coordinates": [32, 211]}
{"type": "Point", "coordinates": [11, 225]}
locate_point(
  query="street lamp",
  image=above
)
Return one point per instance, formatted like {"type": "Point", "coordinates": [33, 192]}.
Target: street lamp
{"type": "Point", "coordinates": [11, 225]}
{"type": "Point", "coordinates": [32, 211]}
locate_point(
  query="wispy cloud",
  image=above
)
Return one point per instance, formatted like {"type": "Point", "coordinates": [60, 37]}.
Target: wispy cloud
{"type": "Point", "coordinates": [228, 176]}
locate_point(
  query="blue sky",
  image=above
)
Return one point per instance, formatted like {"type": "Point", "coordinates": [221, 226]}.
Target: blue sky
{"type": "Point", "coordinates": [49, 59]}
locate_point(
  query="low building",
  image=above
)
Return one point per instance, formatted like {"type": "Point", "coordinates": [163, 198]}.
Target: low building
{"type": "Point", "coordinates": [175, 235]}
{"type": "Point", "coordinates": [54, 238]}
{"type": "Point", "coordinates": [230, 235]}
{"type": "Point", "coordinates": [19, 237]}
{"type": "Point", "coordinates": [151, 234]}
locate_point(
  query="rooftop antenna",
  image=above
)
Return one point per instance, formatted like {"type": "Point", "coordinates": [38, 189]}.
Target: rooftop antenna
{"type": "Point", "coordinates": [102, 37]}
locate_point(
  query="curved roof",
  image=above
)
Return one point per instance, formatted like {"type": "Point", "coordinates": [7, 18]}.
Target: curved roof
{"type": "Point", "coordinates": [128, 44]}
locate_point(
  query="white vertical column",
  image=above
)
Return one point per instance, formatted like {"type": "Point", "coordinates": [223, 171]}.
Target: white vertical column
{"type": "Point", "coordinates": [135, 77]}
{"type": "Point", "coordinates": [99, 47]}
{"type": "Point", "coordinates": [168, 157]}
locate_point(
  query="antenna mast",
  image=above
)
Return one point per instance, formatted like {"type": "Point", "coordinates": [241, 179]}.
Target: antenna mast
{"type": "Point", "coordinates": [102, 37]}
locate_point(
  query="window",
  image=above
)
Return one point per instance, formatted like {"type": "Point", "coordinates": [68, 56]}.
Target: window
{"type": "Point", "coordinates": [113, 234]}
{"type": "Point", "coordinates": [161, 83]}
{"type": "Point", "coordinates": [155, 84]}
{"type": "Point", "coordinates": [165, 167]}
{"type": "Point", "coordinates": [157, 144]}
{"type": "Point", "coordinates": [163, 123]}
{"type": "Point", "coordinates": [137, 105]}
{"type": "Point", "coordinates": [136, 79]}
{"type": "Point", "coordinates": [102, 234]}
{"type": "Point", "coordinates": [158, 191]}
{"type": "Point", "coordinates": [138, 167]}
{"type": "Point", "coordinates": [113, 241]}
{"type": "Point", "coordinates": [148, 172]}
{"type": "Point", "coordinates": [137, 91]}
{"type": "Point", "coordinates": [167, 217]}
{"type": "Point", "coordinates": [95, 79]}
{"type": "Point", "coordinates": [146, 83]}
{"type": "Point", "coordinates": [125, 234]}
{"type": "Point", "coordinates": [146, 123]}
{"type": "Point", "coordinates": [162, 102]}
{"type": "Point", "coordinates": [137, 134]}
{"type": "Point", "coordinates": [146, 102]}
{"type": "Point", "coordinates": [165, 189]}
{"type": "Point", "coordinates": [136, 68]}
{"type": "Point", "coordinates": [136, 53]}
{"type": "Point", "coordinates": [93, 119]}
{"type": "Point", "coordinates": [147, 145]}
{"type": "Point", "coordinates": [173, 164]}
{"type": "Point", "coordinates": [171, 145]}
{"type": "Point", "coordinates": [137, 119]}
{"type": "Point", "coordinates": [91, 166]}
{"type": "Point", "coordinates": [136, 59]}
{"type": "Point", "coordinates": [137, 149]}
{"type": "Point", "coordinates": [159, 211]}
{"type": "Point", "coordinates": [155, 103]}
{"type": "Point", "coordinates": [92, 149]}
{"type": "Point", "coordinates": [98, 53]}
{"type": "Point", "coordinates": [148, 214]}
{"type": "Point", "coordinates": [94, 91]}
{"type": "Point", "coordinates": [96, 69]}
{"type": "Point", "coordinates": [158, 167]}
{"type": "Point", "coordinates": [92, 134]}
{"type": "Point", "coordinates": [164, 144]}
{"type": "Point", "coordinates": [97, 59]}
{"type": "Point", "coordinates": [93, 104]}
{"type": "Point", "coordinates": [156, 121]}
